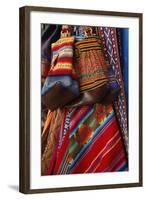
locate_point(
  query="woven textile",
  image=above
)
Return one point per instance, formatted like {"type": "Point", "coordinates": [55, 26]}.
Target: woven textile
{"type": "Point", "coordinates": [91, 143]}
{"type": "Point", "coordinates": [49, 138]}
{"type": "Point", "coordinates": [122, 36]}
{"type": "Point", "coordinates": [85, 139]}
{"type": "Point", "coordinates": [62, 57]}
{"type": "Point", "coordinates": [109, 41]}
{"type": "Point", "coordinates": [50, 33]}
{"type": "Point", "coordinates": [90, 64]}
{"type": "Point", "coordinates": [62, 77]}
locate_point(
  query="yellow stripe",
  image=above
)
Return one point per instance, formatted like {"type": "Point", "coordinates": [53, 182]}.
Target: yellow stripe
{"type": "Point", "coordinates": [62, 40]}
{"type": "Point", "coordinates": [90, 82]}
{"type": "Point", "coordinates": [106, 79]}
{"type": "Point", "coordinates": [90, 45]}
{"type": "Point", "coordinates": [47, 122]}
{"type": "Point", "coordinates": [89, 89]}
{"type": "Point", "coordinates": [94, 84]}
{"type": "Point", "coordinates": [64, 164]}
{"type": "Point", "coordinates": [87, 40]}
{"type": "Point", "coordinates": [63, 65]}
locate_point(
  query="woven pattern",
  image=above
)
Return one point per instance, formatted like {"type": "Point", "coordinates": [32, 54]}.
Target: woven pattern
{"type": "Point", "coordinates": [87, 139]}
{"type": "Point", "coordinates": [109, 40]}
{"type": "Point", "coordinates": [91, 143]}
{"type": "Point", "coordinates": [62, 57]}
{"type": "Point", "coordinates": [51, 129]}
{"type": "Point", "coordinates": [90, 64]}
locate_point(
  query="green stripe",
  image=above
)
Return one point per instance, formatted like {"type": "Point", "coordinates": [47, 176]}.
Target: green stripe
{"type": "Point", "coordinates": [99, 70]}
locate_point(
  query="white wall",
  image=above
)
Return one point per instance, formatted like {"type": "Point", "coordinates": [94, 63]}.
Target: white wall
{"type": "Point", "coordinates": [9, 98]}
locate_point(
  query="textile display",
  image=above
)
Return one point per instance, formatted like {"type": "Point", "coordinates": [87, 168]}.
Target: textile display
{"type": "Point", "coordinates": [92, 137]}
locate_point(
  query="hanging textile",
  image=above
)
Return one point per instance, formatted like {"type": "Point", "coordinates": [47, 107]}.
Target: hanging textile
{"type": "Point", "coordinates": [87, 139]}
{"type": "Point", "coordinates": [122, 36]}
{"type": "Point", "coordinates": [110, 47]}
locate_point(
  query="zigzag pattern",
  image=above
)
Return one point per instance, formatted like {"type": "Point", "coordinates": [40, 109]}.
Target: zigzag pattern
{"type": "Point", "coordinates": [110, 47]}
